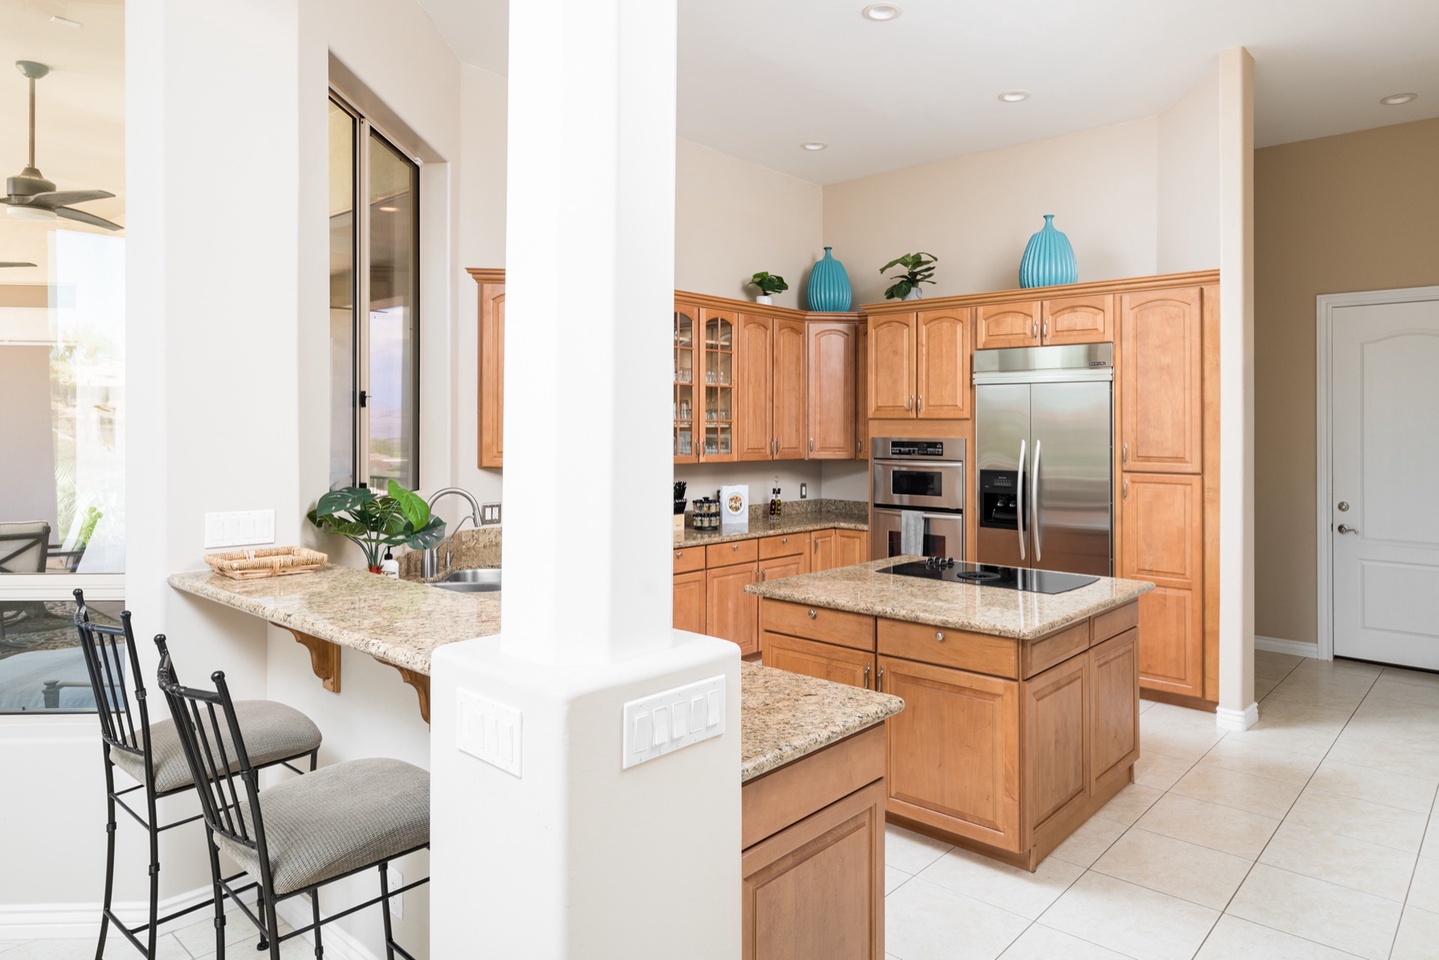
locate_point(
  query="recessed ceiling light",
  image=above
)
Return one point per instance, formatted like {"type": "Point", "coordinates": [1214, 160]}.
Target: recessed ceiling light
{"type": "Point", "coordinates": [1014, 96]}
{"type": "Point", "coordinates": [67, 22]}
{"type": "Point", "coordinates": [881, 11]}
{"type": "Point", "coordinates": [1394, 99]}
{"type": "Point", "coordinates": [814, 145]}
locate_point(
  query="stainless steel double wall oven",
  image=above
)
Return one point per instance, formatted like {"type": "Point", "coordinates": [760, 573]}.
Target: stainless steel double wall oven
{"type": "Point", "coordinates": [923, 476]}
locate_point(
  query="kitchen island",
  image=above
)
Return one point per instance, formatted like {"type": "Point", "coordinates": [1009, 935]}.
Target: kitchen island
{"type": "Point", "coordinates": [1022, 709]}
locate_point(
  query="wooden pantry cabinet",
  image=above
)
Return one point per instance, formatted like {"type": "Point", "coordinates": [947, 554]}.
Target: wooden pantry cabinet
{"type": "Point", "coordinates": [919, 365]}
{"type": "Point", "coordinates": [1033, 323]}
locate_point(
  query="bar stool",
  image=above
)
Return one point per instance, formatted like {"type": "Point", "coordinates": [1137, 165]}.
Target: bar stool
{"type": "Point", "coordinates": [152, 754]}
{"type": "Point", "coordinates": [301, 834]}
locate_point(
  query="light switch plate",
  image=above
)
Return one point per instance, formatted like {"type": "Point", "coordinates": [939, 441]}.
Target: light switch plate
{"type": "Point", "coordinates": [239, 528]}
{"type": "Point", "coordinates": [665, 722]}
{"type": "Point", "coordinates": [490, 731]}
{"type": "Point", "coordinates": [489, 513]}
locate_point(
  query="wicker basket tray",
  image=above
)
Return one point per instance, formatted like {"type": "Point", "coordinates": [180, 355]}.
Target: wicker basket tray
{"type": "Point", "coordinates": [266, 562]}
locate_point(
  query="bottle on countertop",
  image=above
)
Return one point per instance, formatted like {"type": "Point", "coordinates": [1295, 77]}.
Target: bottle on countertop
{"type": "Point", "coordinates": [389, 566]}
{"type": "Point", "coordinates": [776, 506]}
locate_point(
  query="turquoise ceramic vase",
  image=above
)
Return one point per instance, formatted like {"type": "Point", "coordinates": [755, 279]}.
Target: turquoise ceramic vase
{"type": "Point", "coordinates": [829, 290]}
{"type": "Point", "coordinates": [1048, 258]}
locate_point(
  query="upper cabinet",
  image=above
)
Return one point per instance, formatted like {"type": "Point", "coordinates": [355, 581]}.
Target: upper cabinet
{"type": "Point", "coordinates": [491, 366]}
{"type": "Point", "coordinates": [1032, 323]}
{"type": "Point", "coordinates": [686, 320]}
{"type": "Point", "coordinates": [832, 349]}
{"type": "Point", "coordinates": [717, 428]}
{"type": "Point", "coordinates": [919, 365]}
{"type": "Point", "coordinates": [770, 399]}
{"type": "Point", "coordinates": [1160, 381]}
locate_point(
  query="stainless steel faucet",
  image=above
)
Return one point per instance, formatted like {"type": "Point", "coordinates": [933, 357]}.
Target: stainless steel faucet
{"type": "Point", "coordinates": [430, 566]}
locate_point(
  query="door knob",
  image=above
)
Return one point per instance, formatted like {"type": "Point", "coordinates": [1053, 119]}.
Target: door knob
{"type": "Point", "coordinates": [1343, 506]}
{"type": "Point", "coordinates": [1345, 528]}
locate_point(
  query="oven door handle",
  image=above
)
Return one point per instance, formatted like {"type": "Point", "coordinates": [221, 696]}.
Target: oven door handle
{"type": "Point", "coordinates": [1034, 503]}
{"type": "Point", "coordinates": [1019, 511]}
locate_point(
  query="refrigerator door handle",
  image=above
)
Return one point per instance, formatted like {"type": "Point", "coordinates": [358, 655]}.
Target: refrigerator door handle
{"type": "Point", "coordinates": [1019, 511]}
{"type": "Point", "coordinates": [1034, 503]}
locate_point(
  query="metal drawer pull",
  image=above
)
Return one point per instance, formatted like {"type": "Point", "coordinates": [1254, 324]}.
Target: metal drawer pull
{"type": "Point", "coordinates": [1124, 453]}
{"type": "Point", "coordinates": [812, 614]}
{"type": "Point", "coordinates": [866, 676]}
{"type": "Point", "coordinates": [939, 635]}
{"type": "Point", "coordinates": [879, 683]}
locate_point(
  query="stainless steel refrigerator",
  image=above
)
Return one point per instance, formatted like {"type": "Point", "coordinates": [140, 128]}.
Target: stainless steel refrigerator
{"type": "Point", "coordinates": [1044, 434]}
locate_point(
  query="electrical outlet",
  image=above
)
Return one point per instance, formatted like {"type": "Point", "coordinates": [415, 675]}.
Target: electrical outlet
{"type": "Point", "coordinates": [489, 513]}
{"type": "Point", "coordinates": [803, 490]}
{"type": "Point", "coordinates": [397, 904]}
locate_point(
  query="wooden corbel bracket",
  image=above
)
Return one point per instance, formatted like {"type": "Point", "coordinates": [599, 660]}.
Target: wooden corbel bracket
{"type": "Point", "coordinates": [421, 684]}
{"type": "Point", "coordinates": [324, 657]}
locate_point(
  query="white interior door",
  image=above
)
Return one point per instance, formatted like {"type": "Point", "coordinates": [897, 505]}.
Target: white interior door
{"type": "Point", "coordinates": [1385, 511]}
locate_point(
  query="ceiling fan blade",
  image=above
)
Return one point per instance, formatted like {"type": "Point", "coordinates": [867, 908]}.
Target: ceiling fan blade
{"type": "Point", "coordinates": [80, 216]}
{"type": "Point", "coordinates": [12, 264]}
{"type": "Point", "coordinates": [64, 198]}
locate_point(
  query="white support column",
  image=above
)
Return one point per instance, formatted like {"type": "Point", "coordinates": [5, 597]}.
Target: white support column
{"type": "Point", "coordinates": [575, 856]}
{"type": "Point", "coordinates": [1237, 708]}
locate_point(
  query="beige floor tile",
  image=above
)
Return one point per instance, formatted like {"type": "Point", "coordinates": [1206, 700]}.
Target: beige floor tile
{"type": "Point", "coordinates": [297, 949]}
{"type": "Point", "coordinates": [1009, 888]}
{"type": "Point", "coordinates": [1133, 920]}
{"type": "Point", "coordinates": [1339, 917]}
{"type": "Point", "coordinates": [1406, 690]}
{"type": "Point", "coordinates": [894, 879]}
{"type": "Point", "coordinates": [1304, 737]}
{"type": "Point", "coordinates": [1387, 750]}
{"type": "Point", "coordinates": [10, 944]}
{"type": "Point", "coordinates": [1236, 939]}
{"type": "Point", "coordinates": [1325, 693]}
{"type": "Point", "coordinates": [1176, 867]}
{"type": "Point", "coordinates": [1043, 943]}
{"type": "Point", "coordinates": [166, 948]}
{"type": "Point", "coordinates": [1278, 665]}
{"type": "Point", "coordinates": [1243, 791]}
{"type": "Point", "coordinates": [1359, 819]}
{"type": "Point", "coordinates": [1263, 686]}
{"type": "Point", "coordinates": [1159, 770]}
{"type": "Point", "coordinates": [1424, 889]}
{"type": "Point", "coordinates": [1246, 756]}
{"type": "Point", "coordinates": [198, 936]}
{"type": "Point", "coordinates": [1129, 804]}
{"type": "Point", "coordinates": [1145, 704]}
{"type": "Point", "coordinates": [1186, 746]}
{"type": "Point", "coordinates": [1213, 825]}
{"type": "Point", "coordinates": [1418, 937]}
{"type": "Point", "coordinates": [1424, 677]}
{"type": "Point", "coordinates": [1431, 839]}
{"type": "Point", "coordinates": [1086, 844]}
{"type": "Point", "coordinates": [1356, 669]}
{"type": "Point", "coordinates": [1319, 853]}
{"type": "Point", "coordinates": [909, 851]}
{"type": "Point", "coordinates": [1378, 786]}
{"type": "Point", "coordinates": [924, 921]}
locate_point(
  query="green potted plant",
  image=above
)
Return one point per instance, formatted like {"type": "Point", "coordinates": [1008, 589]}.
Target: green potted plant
{"type": "Point", "coordinates": [768, 286]}
{"type": "Point", "coordinates": [918, 268]}
{"type": "Point", "coordinates": [395, 518]}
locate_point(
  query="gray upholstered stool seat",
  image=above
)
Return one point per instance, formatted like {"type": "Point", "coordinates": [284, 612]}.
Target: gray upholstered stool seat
{"type": "Point", "coordinates": [337, 819]}
{"type": "Point", "coordinates": [272, 732]}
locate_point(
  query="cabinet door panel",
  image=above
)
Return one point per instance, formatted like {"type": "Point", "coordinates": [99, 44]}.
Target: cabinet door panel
{"type": "Point", "coordinates": [731, 613]}
{"type": "Point", "coordinates": [861, 393]}
{"type": "Point", "coordinates": [689, 601]}
{"type": "Point", "coordinates": [778, 568]}
{"type": "Point", "coordinates": [492, 374]}
{"type": "Point", "coordinates": [790, 424]}
{"type": "Point", "coordinates": [754, 402]}
{"type": "Point", "coordinates": [1163, 532]}
{"type": "Point", "coordinates": [954, 751]}
{"type": "Point", "coordinates": [1055, 775]}
{"type": "Point", "coordinates": [831, 391]}
{"type": "Point", "coordinates": [942, 380]}
{"type": "Point", "coordinates": [822, 550]}
{"type": "Point", "coordinates": [1114, 709]}
{"type": "Point", "coordinates": [1160, 374]}
{"type": "Point", "coordinates": [1006, 325]}
{"type": "Point", "coordinates": [1171, 649]}
{"type": "Point", "coordinates": [1078, 320]}
{"type": "Point", "coordinates": [891, 366]}
{"type": "Point", "coordinates": [824, 661]}
{"type": "Point", "coordinates": [850, 547]}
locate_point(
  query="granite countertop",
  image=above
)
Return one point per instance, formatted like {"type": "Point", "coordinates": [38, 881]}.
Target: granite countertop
{"type": "Point", "coordinates": [783, 715]}
{"type": "Point", "coordinates": [864, 588]}
{"type": "Point", "coordinates": [799, 516]}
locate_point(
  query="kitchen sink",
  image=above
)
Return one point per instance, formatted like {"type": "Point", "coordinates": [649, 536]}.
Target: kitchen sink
{"type": "Point", "coordinates": [479, 580]}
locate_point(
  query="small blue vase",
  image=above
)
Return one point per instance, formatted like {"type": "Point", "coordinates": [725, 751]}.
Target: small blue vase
{"type": "Point", "coordinates": [1048, 258]}
{"type": "Point", "coordinates": [829, 290]}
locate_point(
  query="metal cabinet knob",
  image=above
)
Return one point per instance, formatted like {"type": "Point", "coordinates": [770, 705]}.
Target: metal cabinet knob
{"type": "Point", "coordinates": [939, 635]}
{"type": "Point", "coordinates": [812, 614]}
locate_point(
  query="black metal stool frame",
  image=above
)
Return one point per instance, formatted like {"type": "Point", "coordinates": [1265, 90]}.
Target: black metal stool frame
{"type": "Point", "coordinates": [227, 806]}
{"type": "Point", "coordinates": [122, 729]}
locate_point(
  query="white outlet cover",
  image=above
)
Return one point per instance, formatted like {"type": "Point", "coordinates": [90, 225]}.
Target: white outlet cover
{"type": "Point", "coordinates": [664, 722]}
{"type": "Point", "coordinates": [490, 731]}
{"type": "Point", "coordinates": [239, 528]}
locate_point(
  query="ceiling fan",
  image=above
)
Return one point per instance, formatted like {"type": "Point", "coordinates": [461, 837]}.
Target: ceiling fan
{"type": "Point", "coordinates": [30, 196]}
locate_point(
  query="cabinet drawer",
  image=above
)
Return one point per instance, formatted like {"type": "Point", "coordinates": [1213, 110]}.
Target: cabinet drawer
{"type": "Point", "coordinates": [947, 647]}
{"type": "Point", "coordinates": [782, 545]}
{"type": "Point", "coordinates": [1111, 623]}
{"type": "Point", "coordinates": [689, 559]}
{"type": "Point", "coordinates": [816, 623]}
{"type": "Point", "coordinates": [739, 551]}
{"type": "Point", "coordinates": [1059, 646]}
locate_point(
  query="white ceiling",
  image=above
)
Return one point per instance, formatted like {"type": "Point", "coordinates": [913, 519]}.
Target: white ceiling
{"type": "Point", "coordinates": [758, 77]}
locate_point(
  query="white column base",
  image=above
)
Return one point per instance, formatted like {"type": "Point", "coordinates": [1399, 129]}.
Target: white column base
{"type": "Point", "coordinates": [1237, 720]}
{"type": "Point", "coordinates": [577, 857]}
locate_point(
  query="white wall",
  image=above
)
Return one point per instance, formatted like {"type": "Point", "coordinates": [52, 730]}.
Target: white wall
{"type": "Point", "coordinates": [1188, 166]}
{"type": "Point", "coordinates": [975, 213]}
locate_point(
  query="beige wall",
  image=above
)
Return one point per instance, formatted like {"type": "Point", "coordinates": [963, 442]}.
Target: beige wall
{"type": "Point", "coordinates": [1188, 206]}
{"type": "Point", "coordinates": [975, 213]}
{"type": "Point", "coordinates": [1333, 215]}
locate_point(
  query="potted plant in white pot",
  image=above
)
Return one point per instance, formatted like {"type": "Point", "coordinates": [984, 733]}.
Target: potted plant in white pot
{"type": "Point", "coordinates": [768, 285]}
{"type": "Point", "coordinates": [918, 268]}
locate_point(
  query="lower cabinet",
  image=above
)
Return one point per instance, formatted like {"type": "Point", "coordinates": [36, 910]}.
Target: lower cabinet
{"type": "Point", "coordinates": [851, 547]}
{"type": "Point", "coordinates": [689, 601]}
{"type": "Point", "coordinates": [730, 613]}
{"type": "Point", "coordinates": [824, 661]}
{"type": "Point", "coordinates": [1162, 533]}
{"type": "Point", "coordinates": [822, 555]}
{"type": "Point", "coordinates": [813, 862]}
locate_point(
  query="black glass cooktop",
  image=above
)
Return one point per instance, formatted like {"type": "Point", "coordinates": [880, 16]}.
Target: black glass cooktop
{"type": "Point", "coordinates": [990, 575]}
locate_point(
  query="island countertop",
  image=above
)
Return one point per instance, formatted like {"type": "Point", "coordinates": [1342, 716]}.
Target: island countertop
{"type": "Point", "coordinates": [866, 588]}
{"type": "Point", "coordinates": [783, 715]}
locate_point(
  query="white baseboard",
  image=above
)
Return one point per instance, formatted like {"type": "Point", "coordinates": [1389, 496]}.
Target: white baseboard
{"type": "Point", "coordinates": [1292, 647]}
{"type": "Point", "coordinates": [65, 921]}
{"type": "Point", "coordinates": [1238, 720]}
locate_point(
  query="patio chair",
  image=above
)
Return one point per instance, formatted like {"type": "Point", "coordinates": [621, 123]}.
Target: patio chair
{"type": "Point", "coordinates": [23, 549]}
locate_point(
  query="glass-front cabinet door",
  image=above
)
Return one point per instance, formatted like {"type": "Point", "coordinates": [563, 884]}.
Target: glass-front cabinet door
{"type": "Point", "coordinates": [718, 442]}
{"type": "Point", "coordinates": [686, 442]}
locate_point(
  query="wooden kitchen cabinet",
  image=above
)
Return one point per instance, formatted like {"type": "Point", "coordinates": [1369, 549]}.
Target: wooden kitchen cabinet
{"type": "Point", "coordinates": [1056, 749]}
{"type": "Point", "coordinates": [832, 348]}
{"type": "Point", "coordinates": [1006, 325]}
{"type": "Point", "coordinates": [822, 550]}
{"type": "Point", "coordinates": [770, 405]}
{"type": "Point", "coordinates": [850, 547]}
{"type": "Point", "coordinates": [491, 366]}
{"type": "Point", "coordinates": [1113, 722]}
{"type": "Point", "coordinates": [1063, 320]}
{"type": "Point", "coordinates": [731, 613]}
{"type": "Point", "coordinates": [825, 661]}
{"type": "Point", "coordinates": [715, 386]}
{"type": "Point", "coordinates": [919, 366]}
{"type": "Point", "coordinates": [861, 392]}
{"type": "Point", "coordinates": [1161, 526]}
{"type": "Point", "coordinates": [689, 601]}
{"type": "Point", "coordinates": [688, 398]}
{"type": "Point", "coordinates": [1160, 380]}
